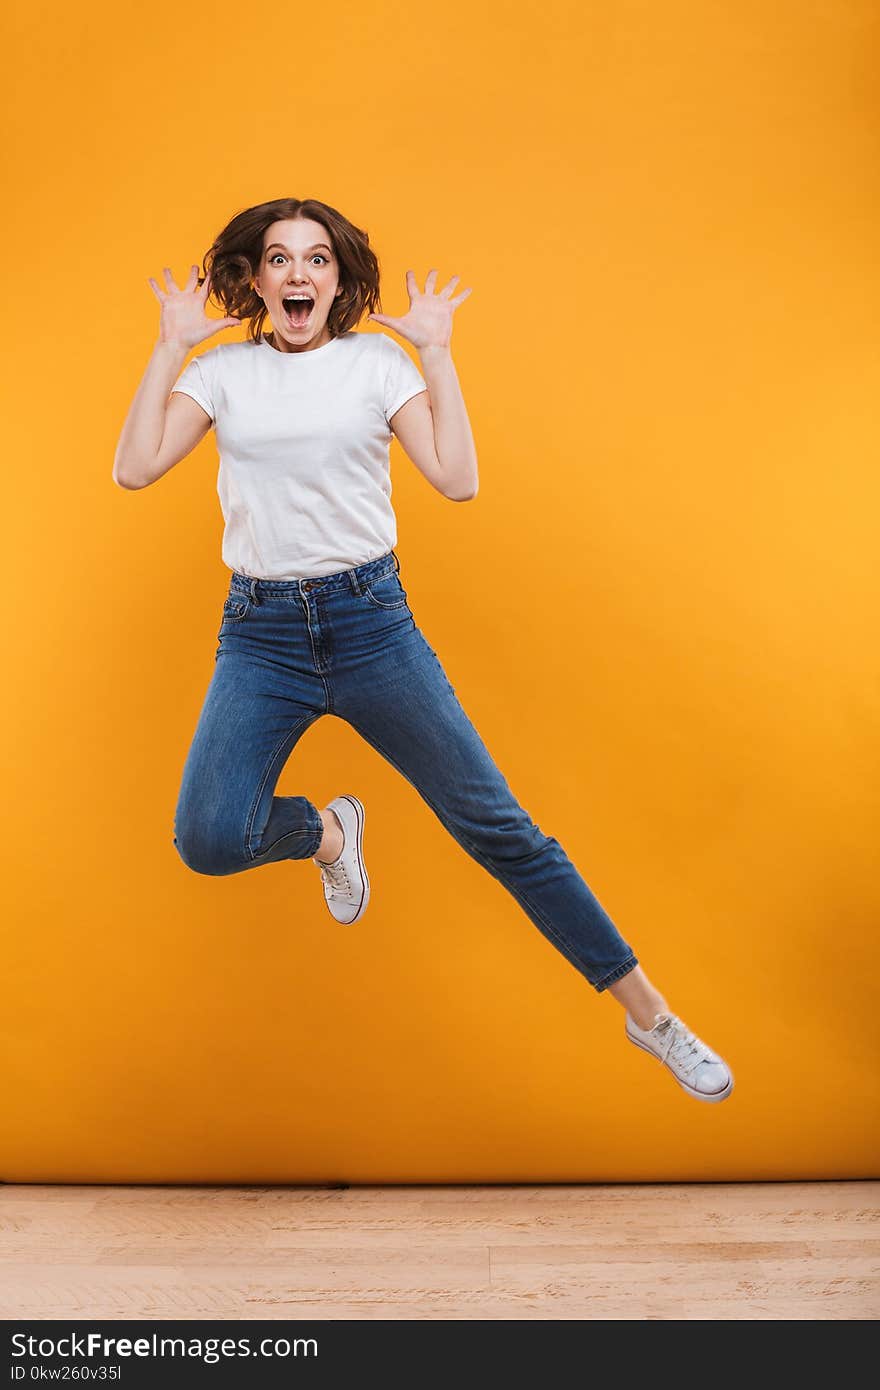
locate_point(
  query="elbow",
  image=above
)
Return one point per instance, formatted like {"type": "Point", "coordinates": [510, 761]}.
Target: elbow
{"type": "Point", "coordinates": [129, 481]}
{"type": "Point", "coordinates": [465, 494]}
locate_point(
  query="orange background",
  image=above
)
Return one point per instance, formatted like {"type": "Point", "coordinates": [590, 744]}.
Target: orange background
{"type": "Point", "coordinates": [661, 611]}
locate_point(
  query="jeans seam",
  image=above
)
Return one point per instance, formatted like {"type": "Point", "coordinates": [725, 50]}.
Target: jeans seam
{"type": "Point", "coordinates": [376, 604]}
{"type": "Point", "coordinates": [235, 617]}
{"type": "Point", "coordinates": [617, 973]}
{"type": "Point", "coordinates": [291, 834]}
{"type": "Point", "coordinates": [300, 724]}
{"type": "Point", "coordinates": [551, 931]}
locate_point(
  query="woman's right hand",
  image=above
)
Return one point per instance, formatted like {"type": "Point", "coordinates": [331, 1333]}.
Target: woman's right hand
{"type": "Point", "coordinates": [184, 320]}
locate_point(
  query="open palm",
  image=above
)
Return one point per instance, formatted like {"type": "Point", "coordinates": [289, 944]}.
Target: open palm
{"type": "Point", "coordinates": [428, 321]}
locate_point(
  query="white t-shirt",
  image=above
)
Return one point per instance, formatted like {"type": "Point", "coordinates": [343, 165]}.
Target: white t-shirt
{"type": "Point", "coordinates": [304, 444]}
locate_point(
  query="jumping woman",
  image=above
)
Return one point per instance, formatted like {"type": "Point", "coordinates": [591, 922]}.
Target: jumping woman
{"type": "Point", "coordinates": [317, 620]}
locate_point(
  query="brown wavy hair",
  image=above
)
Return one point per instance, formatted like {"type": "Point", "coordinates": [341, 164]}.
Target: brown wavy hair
{"type": "Point", "coordinates": [235, 256]}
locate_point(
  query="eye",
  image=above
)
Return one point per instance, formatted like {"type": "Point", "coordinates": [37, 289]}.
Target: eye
{"type": "Point", "coordinates": [278, 256]}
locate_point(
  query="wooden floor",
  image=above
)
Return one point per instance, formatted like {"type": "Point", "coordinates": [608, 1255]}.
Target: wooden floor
{"type": "Point", "coordinates": [726, 1251]}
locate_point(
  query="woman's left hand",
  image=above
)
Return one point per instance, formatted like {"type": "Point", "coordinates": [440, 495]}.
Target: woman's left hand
{"type": "Point", "coordinates": [428, 321]}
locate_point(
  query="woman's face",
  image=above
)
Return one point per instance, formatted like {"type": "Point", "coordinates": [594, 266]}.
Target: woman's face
{"type": "Point", "coordinates": [298, 259]}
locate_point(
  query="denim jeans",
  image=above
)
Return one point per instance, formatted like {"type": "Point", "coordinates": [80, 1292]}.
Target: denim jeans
{"type": "Point", "coordinates": [347, 644]}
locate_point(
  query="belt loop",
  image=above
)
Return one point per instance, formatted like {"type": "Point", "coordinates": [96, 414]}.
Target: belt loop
{"type": "Point", "coordinates": [254, 595]}
{"type": "Point", "coordinates": [354, 581]}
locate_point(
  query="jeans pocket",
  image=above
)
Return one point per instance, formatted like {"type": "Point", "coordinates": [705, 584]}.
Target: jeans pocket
{"type": "Point", "coordinates": [385, 592]}
{"type": "Point", "coordinates": [235, 609]}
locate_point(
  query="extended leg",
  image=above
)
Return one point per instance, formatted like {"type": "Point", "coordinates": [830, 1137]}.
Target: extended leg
{"type": "Point", "coordinates": [413, 718]}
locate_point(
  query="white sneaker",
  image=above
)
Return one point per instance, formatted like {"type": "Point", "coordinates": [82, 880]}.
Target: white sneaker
{"type": "Point", "coordinates": [696, 1068]}
{"type": "Point", "coordinates": [346, 885]}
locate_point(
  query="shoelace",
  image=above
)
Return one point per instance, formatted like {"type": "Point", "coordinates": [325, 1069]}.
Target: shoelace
{"type": "Point", "coordinates": [335, 880]}
{"type": "Point", "coordinates": [681, 1045]}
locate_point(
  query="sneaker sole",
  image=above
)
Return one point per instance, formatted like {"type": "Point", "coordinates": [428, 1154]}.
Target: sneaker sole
{"type": "Point", "coordinates": [697, 1095]}
{"type": "Point", "coordinates": [360, 817]}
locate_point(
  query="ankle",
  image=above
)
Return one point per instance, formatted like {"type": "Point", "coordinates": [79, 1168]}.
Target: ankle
{"type": "Point", "coordinates": [647, 1018]}
{"type": "Point", "coordinates": [333, 838]}
{"type": "Point", "coordinates": [645, 1010]}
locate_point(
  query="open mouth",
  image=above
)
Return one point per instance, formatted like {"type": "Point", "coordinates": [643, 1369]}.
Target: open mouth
{"type": "Point", "coordinates": [298, 311]}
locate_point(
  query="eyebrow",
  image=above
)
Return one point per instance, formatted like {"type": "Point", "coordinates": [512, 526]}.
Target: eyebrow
{"type": "Point", "coordinates": [308, 248]}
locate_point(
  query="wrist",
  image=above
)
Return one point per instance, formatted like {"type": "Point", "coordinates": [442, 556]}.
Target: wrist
{"type": "Point", "coordinates": [435, 350]}
{"type": "Point", "coordinates": [170, 348]}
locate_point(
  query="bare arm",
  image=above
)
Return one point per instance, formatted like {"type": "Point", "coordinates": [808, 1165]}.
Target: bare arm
{"type": "Point", "coordinates": [158, 431]}
{"type": "Point", "coordinates": [433, 426]}
{"type": "Point", "coordinates": [435, 430]}
{"type": "Point", "coordinates": [140, 457]}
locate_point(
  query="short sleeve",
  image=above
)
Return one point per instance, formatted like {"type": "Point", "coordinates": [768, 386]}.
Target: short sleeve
{"type": "Point", "coordinates": [403, 380]}
{"type": "Point", "coordinates": [197, 380]}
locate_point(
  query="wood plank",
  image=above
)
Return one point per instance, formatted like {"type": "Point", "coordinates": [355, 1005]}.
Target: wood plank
{"type": "Point", "coordinates": [695, 1251]}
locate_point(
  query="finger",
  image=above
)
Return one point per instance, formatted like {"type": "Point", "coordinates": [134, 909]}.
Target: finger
{"type": "Point", "coordinates": [454, 303]}
{"type": "Point", "coordinates": [206, 285]}
{"type": "Point", "coordinates": [383, 319]}
{"type": "Point", "coordinates": [155, 288]}
{"type": "Point", "coordinates": [449, 287]}
{"type": "Point", "coordinates": [169, 279]}
{"type": "Point", "coordinates": [193, 278]}
{"type": "Point", "coordinates": [412, 287]}
{"type": "Point", "coordinates": [430, 282]}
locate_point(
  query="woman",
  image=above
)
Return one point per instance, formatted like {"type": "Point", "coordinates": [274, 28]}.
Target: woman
{"type": "Point", "coordinates": [316, 620]}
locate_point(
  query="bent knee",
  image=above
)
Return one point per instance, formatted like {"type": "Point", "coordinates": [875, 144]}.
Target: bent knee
{"type": "Point", "coordinates": [207, 853]}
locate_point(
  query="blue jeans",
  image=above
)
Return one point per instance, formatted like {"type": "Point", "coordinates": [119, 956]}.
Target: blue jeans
{"type": "Point", "coordinates": [347, 644]}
